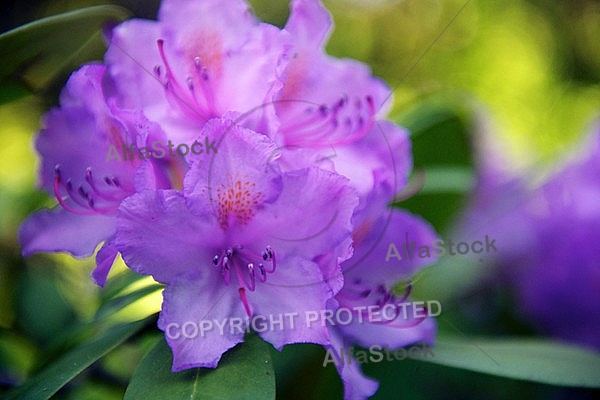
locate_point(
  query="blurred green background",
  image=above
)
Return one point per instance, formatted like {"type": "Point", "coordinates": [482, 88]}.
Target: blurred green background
{"type": "Point", "coordinates": [526, 70]}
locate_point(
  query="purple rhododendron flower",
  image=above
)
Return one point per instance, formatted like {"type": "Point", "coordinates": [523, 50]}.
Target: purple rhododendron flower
{"type": "Point", "coordinates": [547, 252]}
{"type": "Point", "coordinates": [288, 215]}
{"type": "Point", "coordinates": [200, 60]}
{"type": "Point", "coordinates": [225, 247]}
{"type": "Point", "coordinates": [327, 104]}
{"type": "Point", "coordinates": [324, 101]}
{"type": "Point", "coordinates": [369, 278]}
{"type": "Point", "coordinates": [73, 144]}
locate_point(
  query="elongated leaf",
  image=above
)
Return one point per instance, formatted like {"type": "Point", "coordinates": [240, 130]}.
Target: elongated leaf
{"type": "Point", "coordinates": [37, 54]}
{"type": "Point", "coordinates": [447, 180]}
{"type": "Point", "coordinates": [114, 299]}
{"type": "Point", "coordinates": [533, 360]}
{"type": "Point", "coordinates": [244, 372]}
{"type": "Point", "coordinates": [120, 302]}
{"type": "Point", "coordinates": [49, 381]}
{"type": "Point", "coordinates": [118, 283]}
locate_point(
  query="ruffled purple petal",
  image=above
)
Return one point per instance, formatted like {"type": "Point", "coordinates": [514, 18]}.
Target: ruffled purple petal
{"type": "Point", "coordinates": [356, 385]}
{"type": "Point", "coordinates": [324, 101]}
{"type": "Point", "coordinates": [310, 23]}
{"type": "Point", "coordinates": [286, 292]}
{"type": "Point", "coordinates": [391, 248]}
{"type": "Point", "coordinates": [131, 58]}
{"type": "Point", "coordinates": [83, 165]}
{"type": "Point", "coordinates": [80, 134]}
{"type": "Point", "coordinates": [58, 230]}
{"type": "Point", "coordinates": [312, 215]}
{"type": "Point", "coordinates": [233, 182]}
{"type": "Point", "coordinates": [158, 235]}
{"type": "Point", "coordinates": [226, 19]}
{"type": "Point", "coordinates": [104, 261]}
{"type": "Point", "coordinates": [200, 61]}
{"type": "Point", "coordinates": [380, 162]}
{"type": "Point", "coordinates": [192, 304]}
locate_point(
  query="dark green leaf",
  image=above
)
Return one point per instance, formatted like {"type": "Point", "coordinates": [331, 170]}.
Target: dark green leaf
{"type": "Point", "coordinates": [447, 180]}
{"type": "Point", "coordinates": [42, 309]}
{"type": "Point", "coordinates": [244, 372]}
{"type": "Point", "coordinates": [12, 91]}
{"type": "Point", "coordinates": [440, 136]}
{"type": "Point", "coordinates": [109, 307]}
{"type": "Point", "coordinates": [37, 55]}
{"type": "Point", "coordinates": [58, 374]}
{"type": "Point", "coordinates": [533, 360]}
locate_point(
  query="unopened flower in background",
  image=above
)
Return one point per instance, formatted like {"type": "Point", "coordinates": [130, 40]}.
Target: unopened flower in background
{"type": "Point", "coordinates": [548, 256]}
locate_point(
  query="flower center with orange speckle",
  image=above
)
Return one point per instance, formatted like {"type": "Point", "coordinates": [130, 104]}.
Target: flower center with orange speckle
{"type": "Point", "coordinates": [236, 200]}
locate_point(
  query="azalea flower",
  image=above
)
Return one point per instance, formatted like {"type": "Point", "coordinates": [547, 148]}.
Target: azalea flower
{"type": "Point", "coordinates": [74, 144]}
{"type": "Point", "coordinates": [226, 248]}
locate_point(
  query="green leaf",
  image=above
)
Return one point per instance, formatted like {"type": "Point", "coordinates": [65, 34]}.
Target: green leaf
{"type": "Point", "coordinates": [118, 283]}
{"type": "Point", "coordinates": [12, 91]}
{"type": "Point", "coordinates": [423, 116]}
{"type": "Point", "coordinates": [41, 307]}
{"type": "Point", "coordinates": [103, 316]}
{"type": "Point", "coordinates": [533, 360]}
{"type": "Point", "coordinates": [109, 308]}
{"type": "Point", "coordinates": [440, 132]}
{"type": "Point", "coordinates": [50, 380]}
{"type": "Point", "coordinates": [447, 180]}
{"type": "Point", "coordinates": [244, 372]}
{"type": "Point", "coordinates": [451, 276]}
{"type": "Point", "coordinates": [37, 55]}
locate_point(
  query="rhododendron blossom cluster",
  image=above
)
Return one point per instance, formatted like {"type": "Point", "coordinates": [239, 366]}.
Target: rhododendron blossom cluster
{"type": "Point", "coordinates": [289, 213]}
